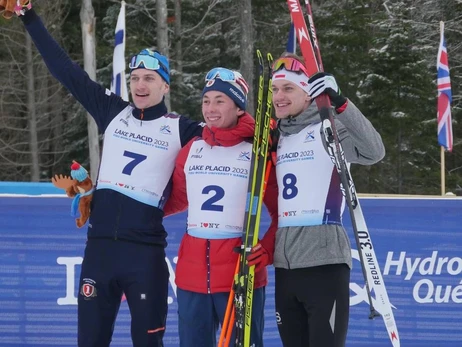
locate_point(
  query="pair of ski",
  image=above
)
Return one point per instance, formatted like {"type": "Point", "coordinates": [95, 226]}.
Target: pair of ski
{"type": "Point", "coordinates": [311, 52]}
{"type": "Point", "coordinates": [239, 309]}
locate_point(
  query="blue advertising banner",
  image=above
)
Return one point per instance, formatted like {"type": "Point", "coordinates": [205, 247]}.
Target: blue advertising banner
{"type": "Point", "coordinates": [418, 244]}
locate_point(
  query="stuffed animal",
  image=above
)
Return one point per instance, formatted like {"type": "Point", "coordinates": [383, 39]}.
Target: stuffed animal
{"type": "Point", "coordinates": [9, 7]}
{"type": "Point", "coordinates": [80, 187]}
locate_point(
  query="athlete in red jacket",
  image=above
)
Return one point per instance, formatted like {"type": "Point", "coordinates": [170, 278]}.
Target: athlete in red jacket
{"type": "Point", "coordinates": [211, 177]}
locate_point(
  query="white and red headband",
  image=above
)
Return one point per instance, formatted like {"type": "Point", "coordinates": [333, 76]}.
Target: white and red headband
{"type": "Point", "coordinates": [300, 80]}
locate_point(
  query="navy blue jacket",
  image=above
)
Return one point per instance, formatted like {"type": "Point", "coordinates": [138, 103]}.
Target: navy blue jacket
{"type": "Point", "coordinates": [114, 215]}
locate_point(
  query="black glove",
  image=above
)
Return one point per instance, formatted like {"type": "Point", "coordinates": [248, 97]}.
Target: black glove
{"type": "Point", "coordinates": [322, 82]}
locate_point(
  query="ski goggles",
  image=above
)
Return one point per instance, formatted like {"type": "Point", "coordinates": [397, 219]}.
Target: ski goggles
{"type": "Point", "coordinates": [289, 64]}
{"type": "Point", "coordinates": [146, 61]}
{"type": "Point", "coordinates": [227, 75]}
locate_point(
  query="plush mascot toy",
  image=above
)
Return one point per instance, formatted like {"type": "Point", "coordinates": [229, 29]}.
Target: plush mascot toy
{"type": "Point", "coordinates": [9, 7]}
{"type": "Point", "coordinates": [79, 187]}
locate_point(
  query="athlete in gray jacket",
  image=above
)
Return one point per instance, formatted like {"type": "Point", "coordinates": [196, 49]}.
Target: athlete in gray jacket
{"type": "Point", "coordinates": [313, 253]}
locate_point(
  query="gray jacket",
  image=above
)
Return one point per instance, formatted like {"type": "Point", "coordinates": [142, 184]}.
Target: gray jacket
{"type": "Point", "coordinates": [308, 246]}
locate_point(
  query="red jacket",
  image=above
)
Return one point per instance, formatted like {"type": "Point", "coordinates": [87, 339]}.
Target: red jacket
{"type": "Point", "coordinates": [208, 266]}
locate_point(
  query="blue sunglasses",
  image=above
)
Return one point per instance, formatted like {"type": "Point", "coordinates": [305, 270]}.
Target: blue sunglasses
{"type": "Point", "coordinates": [221, 73]}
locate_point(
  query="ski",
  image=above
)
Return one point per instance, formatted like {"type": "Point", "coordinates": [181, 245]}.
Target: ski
{"type": "Point", "coordinates": [244, 279]}
{"type": "Point", "coordinates": [311, 52]}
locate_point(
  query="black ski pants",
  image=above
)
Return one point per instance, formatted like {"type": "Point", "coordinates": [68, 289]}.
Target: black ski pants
{"type": "Point", "coordinates": [111, 268]}
{"type": "Point", "coordinates": [312, 305]}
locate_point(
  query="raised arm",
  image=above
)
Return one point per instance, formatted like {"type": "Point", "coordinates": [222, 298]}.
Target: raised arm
{"type": "Point", "coordinates": [361, 143]}
{"type": "Point", "coordinates": [97, 100]}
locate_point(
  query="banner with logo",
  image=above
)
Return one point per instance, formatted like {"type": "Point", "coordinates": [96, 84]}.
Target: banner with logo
{"type": "Point", "coordinates": [418, 244]}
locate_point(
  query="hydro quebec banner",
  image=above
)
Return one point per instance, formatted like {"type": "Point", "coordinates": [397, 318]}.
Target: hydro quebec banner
{"type": "Point", "coordinates": [418, 242]}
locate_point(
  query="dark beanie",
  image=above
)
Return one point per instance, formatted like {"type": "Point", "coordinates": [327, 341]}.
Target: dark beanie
{"type": "Point", "coordinates": [231, 89]}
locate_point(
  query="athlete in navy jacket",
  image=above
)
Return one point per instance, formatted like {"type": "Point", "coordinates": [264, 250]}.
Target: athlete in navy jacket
{"type": "Point", "coordinates": [125, 252]}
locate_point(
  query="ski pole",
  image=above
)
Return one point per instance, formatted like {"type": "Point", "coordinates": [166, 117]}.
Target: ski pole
{"type": "Point", "coordinates": [228, 319]}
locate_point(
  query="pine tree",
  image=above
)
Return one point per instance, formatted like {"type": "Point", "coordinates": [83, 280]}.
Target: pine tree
{"type": "Point", "coordinates": [399, 90]}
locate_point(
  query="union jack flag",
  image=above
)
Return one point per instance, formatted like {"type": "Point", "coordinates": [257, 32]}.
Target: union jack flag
{"type": "Point", "coordinates": [444, 96]}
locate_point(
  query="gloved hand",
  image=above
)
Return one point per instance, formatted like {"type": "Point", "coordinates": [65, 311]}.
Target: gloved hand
{"type": "Point", "coordinates": [322, 82]}
{"type": "Point", "coordinates": [259, 257]}
{"type": "Point", "coordinates": [9, 7]}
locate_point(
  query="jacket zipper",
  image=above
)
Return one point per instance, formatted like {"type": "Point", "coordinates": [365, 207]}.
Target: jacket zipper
{"type": "Point", "coordinates": [207, 255]}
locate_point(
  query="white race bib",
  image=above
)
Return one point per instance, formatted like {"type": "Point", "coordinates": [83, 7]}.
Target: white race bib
{"type": "Point", "coordinates": [139, 156]}
{"type": "Point", "coordinates": [308, 182]}
{"type": "Point", "coordinates": [217, 183]}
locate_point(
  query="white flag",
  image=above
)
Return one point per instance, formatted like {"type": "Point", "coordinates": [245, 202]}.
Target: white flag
{"type": "Point", "coordinates": [119, 83]}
